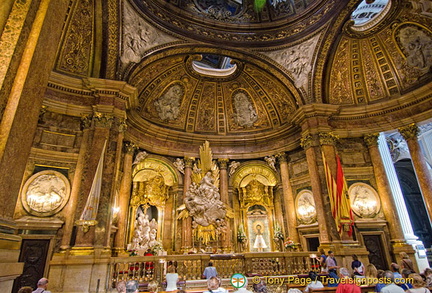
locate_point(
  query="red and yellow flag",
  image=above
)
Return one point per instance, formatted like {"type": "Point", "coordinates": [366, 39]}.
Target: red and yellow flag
{"type": "Point", "coordinates": [338, 194]}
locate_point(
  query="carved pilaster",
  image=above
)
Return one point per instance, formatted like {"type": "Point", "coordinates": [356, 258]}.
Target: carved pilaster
{"type": "Point", "coordinates": [328, 138]}
{"type": "Point", "coordinates": [371, 140]}
{"type": "Point", "coordinates": [409, 131]}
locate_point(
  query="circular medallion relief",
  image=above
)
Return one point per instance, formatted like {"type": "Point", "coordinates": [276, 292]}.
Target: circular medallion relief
{"type": "Point", "coordinates": [305, 207]}
{"type": "Point", "coordinates": [45, 193]}
{"type": "Point", "coordinates": [364, 200]}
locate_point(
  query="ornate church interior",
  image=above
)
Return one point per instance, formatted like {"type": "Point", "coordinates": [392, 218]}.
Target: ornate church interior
{"type": "Point", "coordinates": [137, 134]}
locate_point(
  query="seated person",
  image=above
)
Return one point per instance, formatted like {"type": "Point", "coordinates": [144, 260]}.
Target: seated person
{"type": "Point", "coordinates": [172, 278]}
{"type": "Point", "coordinates": [153, 286]}
{"type": "Point", "coordinates": [243, 289]}
{"type": "Point", "coordinates": [314, 282]}
{"type": "Point", "coordinates": [346, 284]}
{"type": "Point", "coordinates": [390, 286]}
{"type": "Point", "coordinates": [260, 287]}
{"type": "Point", "coordinates": [403, 283]}
{"type": "Point", "coordinates": [418, 284]}
{"type": "Point", "coordinates": [214, 286]}
{"type": "Point", "coordinates": [132, 286]}
{"type": "Point", "coordinates": [380, 284]}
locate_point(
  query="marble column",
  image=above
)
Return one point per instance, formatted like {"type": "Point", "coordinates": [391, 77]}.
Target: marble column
{"type": "Point", "coordinates": [226, 240]}
{"type": "Point", "coordinates": [309, 144]}
{"type": "Point", "coordinates": [422, 172]}
{"type": "Point", "coordinates": [396, 189]}
{"type": "Point", "coordinates": [124, 196]}
{"type": "Point", "coordinates": [187, 223]}
{"type": "Point", "coordinates": [384, 190]}
{"type": "Point", "coordinates": [288, 198]}
{"type": "Point", "coordinates": [71, 207]}
{"type": "Point", "coordinates": [102, 124]}
{"type": "Point", "coordinates": [33, 35]}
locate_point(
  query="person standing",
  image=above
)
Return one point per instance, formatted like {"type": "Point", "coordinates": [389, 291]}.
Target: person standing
{"type": "Point", "coordinates": [314, 282]}
{"type": "Point", "coordinates": [332, 267]}
{"type": "Point", "coordinates": [42, 286]}
{"type": "Point", "coordinates": [210, 271]}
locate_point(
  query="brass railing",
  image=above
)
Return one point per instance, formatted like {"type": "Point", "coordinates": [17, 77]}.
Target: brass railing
{"type": "Point", "coordinates": [191, 267]}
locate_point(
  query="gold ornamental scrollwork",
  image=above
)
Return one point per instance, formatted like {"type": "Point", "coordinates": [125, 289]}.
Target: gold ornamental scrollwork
{"type": "Point", "coordinates": [103, 120]}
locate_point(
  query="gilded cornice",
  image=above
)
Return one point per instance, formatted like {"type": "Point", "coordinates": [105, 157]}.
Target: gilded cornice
{"type": "Point", "coordinates": [88, 89]}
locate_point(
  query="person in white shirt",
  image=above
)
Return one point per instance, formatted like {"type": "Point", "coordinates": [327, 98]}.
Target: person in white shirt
{"type": "Point", "coordinates": [209, 271]}
{"type": "Point", "coordinates": [314, 282]}
{"type": "Point", "coordinates": [172, 279]}
{"type": "Point", "coordinates": [418, 284]}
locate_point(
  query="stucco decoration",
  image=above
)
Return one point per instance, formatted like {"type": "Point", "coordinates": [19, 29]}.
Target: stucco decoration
{"type": "Point", "coordinates": [305, 207]}
{"type": "Point", "coordinates": [364, 200]}
{"type": "Point", "coordinates": [298, 60]}
{"type": "Point", "coordinates": [45, 193]}
{"type": "Point", "coordinates": [416, 44]}
{"type": "Point", "coordinates": [138, 36]}
{"type": "Point", "coordinates": [245, 114]}
{"type": "Point", "coordinates": [168, 105]}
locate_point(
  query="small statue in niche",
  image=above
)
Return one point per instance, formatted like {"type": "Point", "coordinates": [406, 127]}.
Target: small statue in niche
{"type": "Point", "coordinates": [141, 156]}
{"type": "Point", "coordinates": [271, 161]}
{"type": "Point", "coordinates": [144, 235]}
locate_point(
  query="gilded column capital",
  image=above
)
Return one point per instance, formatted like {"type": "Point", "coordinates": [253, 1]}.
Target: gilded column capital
{"type": "Point", "coordinates": [307, 141]}
{"type": "Point", "coordinates": [409, 131]}
{"type": "Point", "coordinates": [42, 112]}
{"type": "Point", "coordinates": [371, 139]}
{"type": "Point", "coordinates": [86, 121]}
{"type": "Point", "coordinates": [328, 138]}
{"type": "Point", "coordinates": [223, 163]}
{"type": "Point", "coordinates": [122, 126]}
{"type": "Point", "coordinates": [189, 161]}
{"type": "Point", "coordinates": [130, 147]}
{"type": "Point", "coordinates": [282, 158]}
{"type": "Point", "coordinates": [103, 120]}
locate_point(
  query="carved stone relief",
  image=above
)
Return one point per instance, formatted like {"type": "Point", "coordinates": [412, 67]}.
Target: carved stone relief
{"type": "Point", "coordinates": [45, 193]}
{"type": "Point", "coordinates": [298, 60]}
{"type": "Point", "coordinates": [305, 207]}
{"type": "Point", "coordinates": [138, 36]}
{"type": "Point", "coordinates": [168, 105]}
{"type": "Point", "coordinates": [416, 44]}
{"type": "Point", "coordinates": [364, 200]}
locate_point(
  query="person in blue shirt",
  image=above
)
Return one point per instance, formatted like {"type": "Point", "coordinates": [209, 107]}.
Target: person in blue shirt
{"type": "Point", "coordinates": [209, 271]}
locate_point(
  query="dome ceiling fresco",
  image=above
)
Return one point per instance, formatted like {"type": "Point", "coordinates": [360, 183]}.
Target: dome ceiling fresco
{"type": "Point", "coordinates": [250, 100]}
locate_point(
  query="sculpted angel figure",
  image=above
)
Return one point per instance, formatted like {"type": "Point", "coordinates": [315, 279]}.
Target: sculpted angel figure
{"type": "Point", "coordinates": [140, 157]}
{"type": "Point", "coordinates": [271, 161]}
{"type": "Point", "coordinates": [179, 164]}
{"type": "Point", "coordinates": [232, 167]}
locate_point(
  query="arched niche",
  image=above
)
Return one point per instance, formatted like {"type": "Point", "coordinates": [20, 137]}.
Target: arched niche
{"type": "Point", "coordinates": [254, 184]}
{"type": "Point", "coordinates": [153, 182]}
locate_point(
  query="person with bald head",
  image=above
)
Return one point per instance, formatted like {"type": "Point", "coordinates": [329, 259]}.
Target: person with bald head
{"type": "Point", "coordinates": [42, 286]}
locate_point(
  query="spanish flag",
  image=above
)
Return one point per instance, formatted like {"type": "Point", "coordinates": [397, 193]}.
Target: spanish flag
{"type": "Point", "coordinates": [339, 199]}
